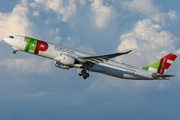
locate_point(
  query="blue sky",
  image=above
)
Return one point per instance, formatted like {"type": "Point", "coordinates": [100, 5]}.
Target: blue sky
{"type": "Point", "coordinates": [31, 87]}
{"type": "Point", "coordinates": [170, 4]}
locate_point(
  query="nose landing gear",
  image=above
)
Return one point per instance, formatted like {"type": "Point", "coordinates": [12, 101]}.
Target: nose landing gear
{"type": "Point", "coordinates": [14, 52]}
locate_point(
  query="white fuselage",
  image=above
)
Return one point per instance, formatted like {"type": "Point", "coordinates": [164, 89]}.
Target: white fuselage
{"type": "Point", "coordinates": [111, 68]}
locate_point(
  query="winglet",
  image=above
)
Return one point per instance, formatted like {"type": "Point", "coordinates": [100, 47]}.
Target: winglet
{"type": "Point", "coordinates": [128, 52]}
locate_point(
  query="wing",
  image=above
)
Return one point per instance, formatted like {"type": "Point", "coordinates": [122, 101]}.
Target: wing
{"type": "Point", "coordinates": [101, 58]}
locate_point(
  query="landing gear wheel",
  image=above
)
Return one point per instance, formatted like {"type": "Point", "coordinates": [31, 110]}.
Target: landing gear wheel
{"type": "Point", "coordinates": [83, 72]}
{"type": "Point", "coordinates": [14, 52]}
{"type": "Point", "coordinates": [86, 75]}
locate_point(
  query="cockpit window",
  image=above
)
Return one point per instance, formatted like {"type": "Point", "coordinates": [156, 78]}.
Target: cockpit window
{"type": "Point", "coordinates": [11, 37]}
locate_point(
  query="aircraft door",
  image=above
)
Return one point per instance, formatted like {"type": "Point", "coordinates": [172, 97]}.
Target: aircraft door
{"type": "Point", "coordinates": [137, 71]}
{"type": "Point", "coordinates": [20, 39]}
{"type": "Point", "coordinates": [51, 48]}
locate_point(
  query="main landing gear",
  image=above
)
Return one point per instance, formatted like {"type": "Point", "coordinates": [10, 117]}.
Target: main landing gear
{"type": "Point", "coordinates": [83, 72]}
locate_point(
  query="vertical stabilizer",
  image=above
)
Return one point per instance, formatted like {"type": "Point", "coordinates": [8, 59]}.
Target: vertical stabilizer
{"type": "Point", "coordinates": [162, 64]}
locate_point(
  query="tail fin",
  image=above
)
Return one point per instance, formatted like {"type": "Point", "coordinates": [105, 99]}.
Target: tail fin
{"type": "Point", "coordinates": [162, 64]}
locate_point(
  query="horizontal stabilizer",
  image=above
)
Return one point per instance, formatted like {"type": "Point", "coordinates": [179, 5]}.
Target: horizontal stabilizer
{"type": "Point", "coordinates": [160, 76]}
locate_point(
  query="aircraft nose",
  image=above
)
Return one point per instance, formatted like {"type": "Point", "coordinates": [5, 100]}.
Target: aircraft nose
{"type": "Point", "coordinates": [6, 40]}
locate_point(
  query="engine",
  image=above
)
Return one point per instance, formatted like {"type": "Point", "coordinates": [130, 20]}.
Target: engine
{"type": "Point", "coordinates": [66, 61]}
{"type": "Point", "coordinates": [60, 65]}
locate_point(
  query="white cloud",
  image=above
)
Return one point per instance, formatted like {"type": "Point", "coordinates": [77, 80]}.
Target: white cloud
{"type": "Point", "coordinates": [36, 13]}
{"type": "Point", "coordinates": [149, 8]}
{"type": "Point", "coordinates": [51, 31]}
{"type": "Point", "coordinates": [15, 23]}
{"type": "Point", "coordinates": [66, 8]}
{"type": "Point", "coordinates": [24, 2]}
{"type": "Point", "coordinates": [82, 1]}
{"type": "Point", "coordinates": [28, 65]}
{"type": "Point", "coordinates": [33, 4]}
{"type": "Point", "coordinates": [69, 38]}
{"type": "Point", "coordinates": [58, 39]}
{"type": "Point", "coordinates": [148, 40]}
{"type": "Point", "coordinates": [173, 15]}
{"type": "Point", "coordinates": [57, 29]}
{"type": "Point", "coordinates": [102, 13]}
{"type": "Point", "coordinates": [128, 44]}
{"type": "Point", "coordinates": [145, 6]}
{"type": "Point", "coordinates": [48, 21]}
{"type": "Point", "coordinates": [178, 51]}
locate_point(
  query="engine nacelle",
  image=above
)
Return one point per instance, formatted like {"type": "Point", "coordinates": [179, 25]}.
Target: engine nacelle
{"type": "Point", "coordinates": [60, 65]}
{"type": "Point", "coordinates": [67, 60]}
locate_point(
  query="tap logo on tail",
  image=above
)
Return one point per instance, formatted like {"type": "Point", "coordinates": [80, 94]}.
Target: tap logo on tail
{"type": "Point", "coordinates": [162, 64]}
{"type": "Point", "coordinates": [165, 63]}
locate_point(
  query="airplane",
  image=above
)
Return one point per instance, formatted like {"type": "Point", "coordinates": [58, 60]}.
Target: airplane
{"type": "Point", "coordinates": [66, 58]}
